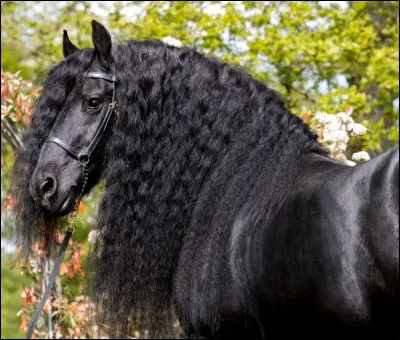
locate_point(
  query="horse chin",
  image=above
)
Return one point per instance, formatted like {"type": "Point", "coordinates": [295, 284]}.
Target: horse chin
{"type": "Point", "coordinates": [67, 206]}
{"type": "Point", "coordinates": [60, 209]}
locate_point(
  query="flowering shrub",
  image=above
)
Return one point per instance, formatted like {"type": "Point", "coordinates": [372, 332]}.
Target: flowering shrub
{"type": "Point", "coordinates": [335, 131]}
{"type": "Point", "coordinates": [17, 99]}
{"type": "Point", "coordinates": [67, 316]}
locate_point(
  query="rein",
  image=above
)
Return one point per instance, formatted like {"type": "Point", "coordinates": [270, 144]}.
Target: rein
{"type": "Point", "coordinates": [83, 157]}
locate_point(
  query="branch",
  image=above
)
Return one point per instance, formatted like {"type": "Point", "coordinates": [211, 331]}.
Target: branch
{"type": "Point", "coordinates": [9, 140]}
{"type": "Point", "coordinates": [10, 131]}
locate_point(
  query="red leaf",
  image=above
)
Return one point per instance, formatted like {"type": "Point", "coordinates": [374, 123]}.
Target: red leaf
{"type": "Point", "coordinates": [63, 269]}
{"type": "Point", "coordinates": [70, 272]}
{"type": "Point", "coordinates": [24, 325]}
{"type": "Point", "coordinates": [10, 202]}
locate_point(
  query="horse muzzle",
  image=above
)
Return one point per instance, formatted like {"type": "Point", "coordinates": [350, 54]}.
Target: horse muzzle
{"type": "Point", "coordinates": [50, 196]}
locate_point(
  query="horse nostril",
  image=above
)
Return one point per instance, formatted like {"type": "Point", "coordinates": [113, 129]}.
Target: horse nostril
{"type": "Point", "coordinates": [48, 187]}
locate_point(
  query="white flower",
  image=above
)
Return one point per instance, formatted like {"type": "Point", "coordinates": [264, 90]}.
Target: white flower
{"type": "Point", "coordinates": [345, 118]}
{"type": "Point", "coordinates": [336, 136]}
{"type": "Point", "coordinates": [330, 122]}
{"type": "Point", "coordinates": [361, 156]}
{"type": "Point", "coordinates": [172, 41]}
{"type": "Point", "coordinates": [351, 163]}
{"type": "Point", "coordinates": [323, 117]}
{"type": "Point", "coordinates": [339, 156]}
{"type": "Point", "coordinates": [356, 129]}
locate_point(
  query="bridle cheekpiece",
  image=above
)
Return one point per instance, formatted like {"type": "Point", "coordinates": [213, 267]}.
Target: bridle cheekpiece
{"type": "Point", "coordinates": [83, 155]}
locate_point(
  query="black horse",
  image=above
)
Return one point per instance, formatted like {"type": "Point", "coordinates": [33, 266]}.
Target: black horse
{"type": "Point", "coordinates": [219, 204]}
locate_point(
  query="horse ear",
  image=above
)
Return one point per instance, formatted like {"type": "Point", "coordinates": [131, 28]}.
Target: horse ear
{"type": "Point", "coordinates": [68, 46]}
{"type": "Point", "coordinates": [102, 42]}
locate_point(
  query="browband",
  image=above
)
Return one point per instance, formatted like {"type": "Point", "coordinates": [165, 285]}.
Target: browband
{"type": "Point", "coordinates": [100, 75]}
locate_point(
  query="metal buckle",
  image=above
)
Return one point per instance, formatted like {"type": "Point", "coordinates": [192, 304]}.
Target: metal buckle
{"type": "Point", "coordinates": [83, 160]}
{"type": "Point", "coordinates": [113, 107]}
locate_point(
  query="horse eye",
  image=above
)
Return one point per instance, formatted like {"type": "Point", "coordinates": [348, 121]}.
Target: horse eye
{"type": "Point", "coordinates": [94, 103]}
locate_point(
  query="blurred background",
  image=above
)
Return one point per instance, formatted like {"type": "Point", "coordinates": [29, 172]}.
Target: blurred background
{"type": "Point", "coordinates": [322, 56]}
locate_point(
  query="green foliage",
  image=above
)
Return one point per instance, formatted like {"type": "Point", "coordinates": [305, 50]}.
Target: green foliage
{"type": "Point", "coordinates": [11, 286]}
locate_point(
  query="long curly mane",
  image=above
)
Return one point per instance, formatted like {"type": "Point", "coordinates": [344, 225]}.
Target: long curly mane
{"type": "Point", "coordinates": [181, 116]}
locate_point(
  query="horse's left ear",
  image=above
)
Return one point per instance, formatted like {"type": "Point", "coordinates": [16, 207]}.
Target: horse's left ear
{"type": "Point", "coordinates": [102, 42]}
{"type": "Point", "coordinates": [68, 46]}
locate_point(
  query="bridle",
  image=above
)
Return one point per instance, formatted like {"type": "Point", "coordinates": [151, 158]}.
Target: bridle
{"type": "Point", "coordinates": [83, 157]}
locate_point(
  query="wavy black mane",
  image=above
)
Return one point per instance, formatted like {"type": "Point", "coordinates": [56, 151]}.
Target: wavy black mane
{"type": "Point", "coordinates": [184, 119]}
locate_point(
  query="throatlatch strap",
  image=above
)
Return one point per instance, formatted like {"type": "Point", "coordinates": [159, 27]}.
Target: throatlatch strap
{"type": "Point", "coordinates": [53, 276]}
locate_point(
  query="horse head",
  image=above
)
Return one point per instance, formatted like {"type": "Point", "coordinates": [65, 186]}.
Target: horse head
{"type": "Point", "coordinates": [76, 140]}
